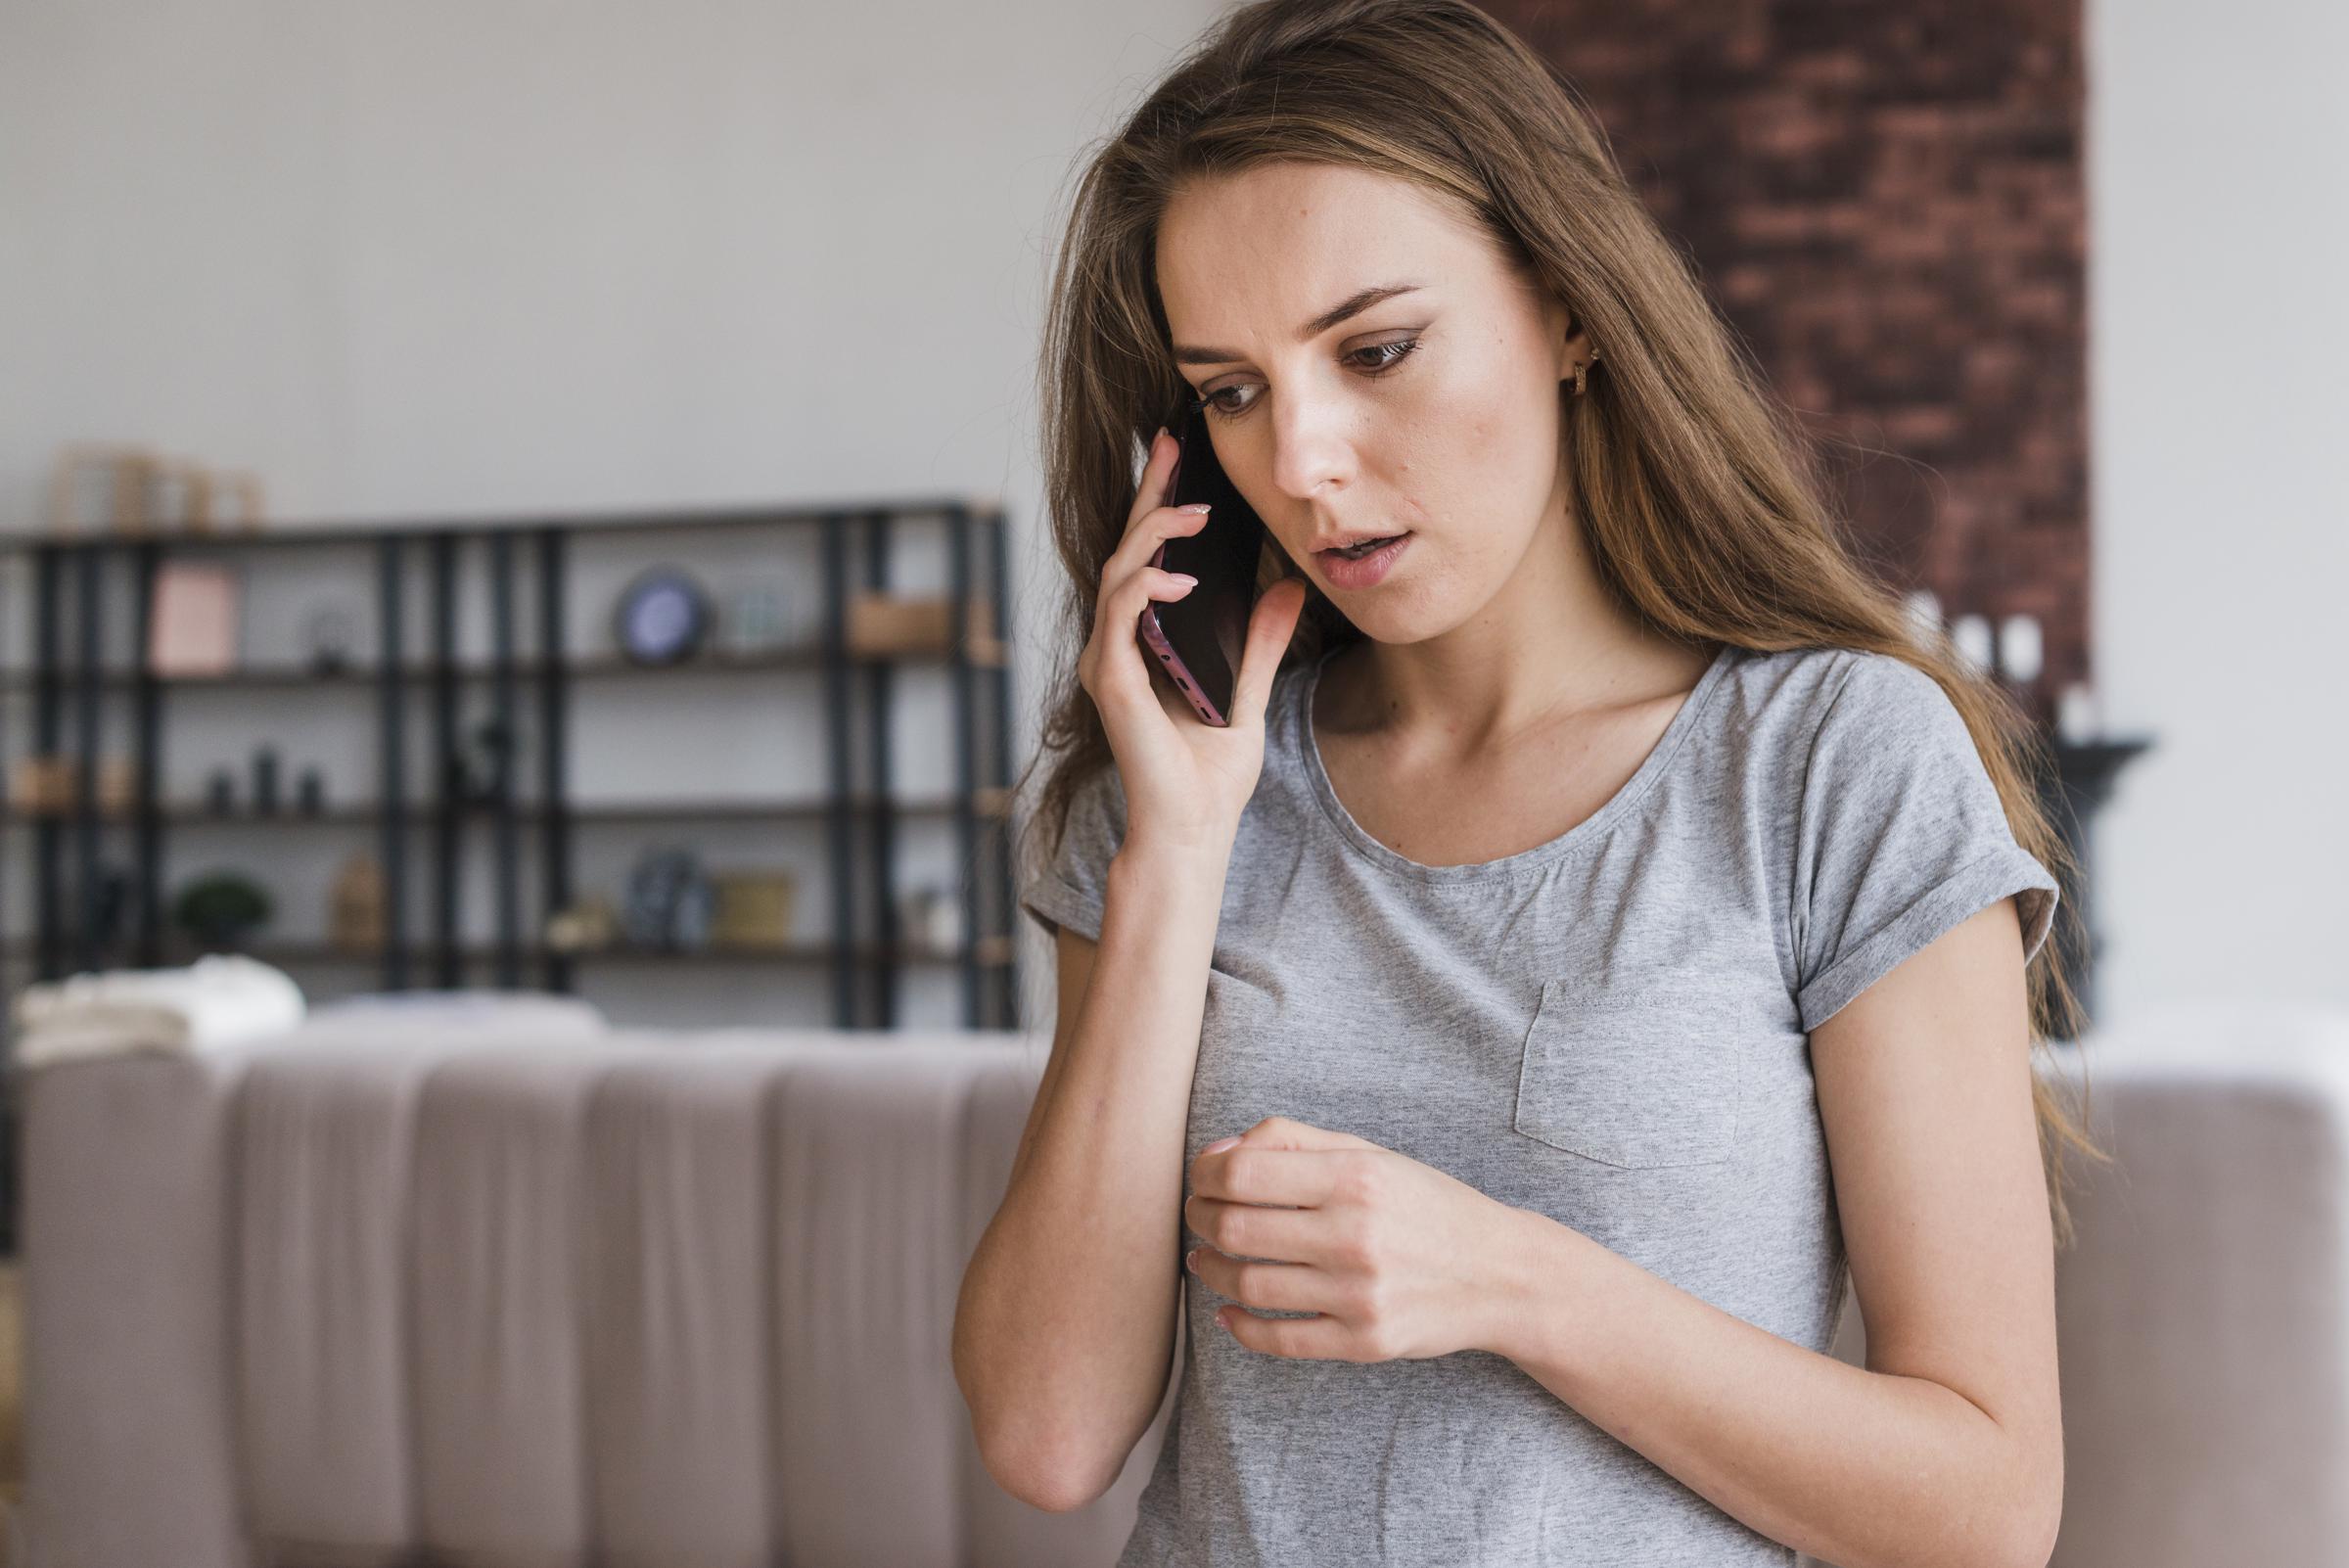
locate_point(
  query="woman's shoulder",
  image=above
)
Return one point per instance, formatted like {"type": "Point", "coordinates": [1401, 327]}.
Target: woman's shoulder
{"type": "Point", "coordinates": [1800, 688]}
{"type": "Point", "coordinates": [1839, 721]}
{"type": "Point", "coordinates": [1791, 718]}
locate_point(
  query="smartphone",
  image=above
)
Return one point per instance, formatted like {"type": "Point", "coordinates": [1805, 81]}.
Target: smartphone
{"type": "Point", "coordinates": [1196, 641]}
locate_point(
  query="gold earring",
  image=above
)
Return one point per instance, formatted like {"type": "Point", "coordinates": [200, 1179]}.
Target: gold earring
{"type": "Point", "coordinates": [1581, 372]}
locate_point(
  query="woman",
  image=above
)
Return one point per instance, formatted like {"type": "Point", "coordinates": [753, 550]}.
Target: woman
{"type": "Point", "coordinates": [1595, 926]}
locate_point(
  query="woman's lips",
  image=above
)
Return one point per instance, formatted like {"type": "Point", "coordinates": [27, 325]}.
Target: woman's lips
{"type": "Point", "coordinates": [1345, 571]}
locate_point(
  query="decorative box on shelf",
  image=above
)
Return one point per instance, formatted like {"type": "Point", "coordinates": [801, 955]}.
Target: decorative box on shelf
{"type": "Point", "coordinates": [891, 623]}
{"type": "Point", "coordinates": [46, 786]}
{"type": "Point", "coordinates": [754, 909]}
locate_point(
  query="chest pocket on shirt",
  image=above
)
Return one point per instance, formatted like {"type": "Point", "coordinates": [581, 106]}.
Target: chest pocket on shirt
{"type": "Point", "coordinates": [1634, 1078]}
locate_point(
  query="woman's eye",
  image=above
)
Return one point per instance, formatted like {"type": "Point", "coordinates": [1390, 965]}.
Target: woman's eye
{"type": "Point", "coordinates": [1390, 352]}
{"type": "Point", "coordinates": [1375, 359]}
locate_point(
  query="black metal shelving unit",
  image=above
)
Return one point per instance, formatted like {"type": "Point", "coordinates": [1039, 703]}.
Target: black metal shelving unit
{"type": "Point", "coordinates": [863, 955]}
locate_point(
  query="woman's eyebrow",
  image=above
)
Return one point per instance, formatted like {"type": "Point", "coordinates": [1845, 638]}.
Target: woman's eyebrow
{"type": "Point", "coordinates": [1354, 305]}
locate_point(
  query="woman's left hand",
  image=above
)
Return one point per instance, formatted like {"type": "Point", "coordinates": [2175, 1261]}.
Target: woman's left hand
{"type": "Point", "coordinates": [1398, 1259]}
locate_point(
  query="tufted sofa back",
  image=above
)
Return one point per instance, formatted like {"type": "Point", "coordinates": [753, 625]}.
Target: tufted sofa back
{"type": "Point", "coordinates": [516, 1290]}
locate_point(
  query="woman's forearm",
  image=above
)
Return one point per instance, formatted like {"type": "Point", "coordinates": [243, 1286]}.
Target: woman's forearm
{"type": "Point", "coordinates": [1858, 1468]}
{"type": "Point", "coordinates": [1065, 1327]}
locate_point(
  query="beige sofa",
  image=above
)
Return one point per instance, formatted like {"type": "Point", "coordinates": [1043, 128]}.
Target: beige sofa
{"type": "Point", "coordinates": [500, 1286]}
{"type": "Point", "coordinates": [513, 1289]}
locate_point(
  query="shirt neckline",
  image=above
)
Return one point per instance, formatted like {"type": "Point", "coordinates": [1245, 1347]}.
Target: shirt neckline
{"type": "Point", "coordinates": [1582, 835]}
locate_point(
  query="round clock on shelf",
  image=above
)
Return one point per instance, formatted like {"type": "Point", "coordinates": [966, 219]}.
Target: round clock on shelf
{"type": "Point", "coordinates": [662, 617]}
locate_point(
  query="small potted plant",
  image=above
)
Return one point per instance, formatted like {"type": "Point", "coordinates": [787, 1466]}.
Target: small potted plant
{"type": "Point", "coordinates": [221, 910]}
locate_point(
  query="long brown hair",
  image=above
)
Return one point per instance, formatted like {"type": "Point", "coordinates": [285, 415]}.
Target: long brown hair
{"type": "Point", "coordinates": [1701, 495]}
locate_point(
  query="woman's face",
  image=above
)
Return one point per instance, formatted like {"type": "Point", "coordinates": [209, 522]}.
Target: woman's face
{"type": "Point", "coordinates": [1433, 412]}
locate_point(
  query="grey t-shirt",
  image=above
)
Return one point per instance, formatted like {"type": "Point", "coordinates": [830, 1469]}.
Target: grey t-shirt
{"type": "Point", "coordinates": [1610, 1029]}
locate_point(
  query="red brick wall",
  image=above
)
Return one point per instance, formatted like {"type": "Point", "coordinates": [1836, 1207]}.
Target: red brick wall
{"type": "Point", "coordinates": [1885, 198]}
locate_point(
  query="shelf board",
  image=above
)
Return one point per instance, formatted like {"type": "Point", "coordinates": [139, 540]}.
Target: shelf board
{"type": "Point", "coordinates": [985, 653]}
{"type": "Point", "coordinates": [987, 801]}
{"type": "Point", "coordinates": [422, 952]}
{"type": "Point", "coordinates": [362, 531]}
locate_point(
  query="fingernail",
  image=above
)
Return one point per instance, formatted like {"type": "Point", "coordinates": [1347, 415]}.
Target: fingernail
{"type": "Point", "coordinates": [1197, 506]}
{"type": "Point", "coordinates": [1191, 1260]}
{"type": "Point", "coordinates": [1219, 1144]}
{"type": "Point", "coordinates": [1160, 437]}
{"type": "Point", "coordinates": [1222, 1322]}
{"type": "Point", "coordinates": [1185, 579]}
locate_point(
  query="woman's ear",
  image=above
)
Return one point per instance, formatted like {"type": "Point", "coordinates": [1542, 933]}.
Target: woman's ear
{"type": "Point", "coordinates": [1569, 343]}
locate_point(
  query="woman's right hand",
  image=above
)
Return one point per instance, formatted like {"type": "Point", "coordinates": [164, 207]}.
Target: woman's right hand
{"type": "Point", "coordinates": [1186, 781]}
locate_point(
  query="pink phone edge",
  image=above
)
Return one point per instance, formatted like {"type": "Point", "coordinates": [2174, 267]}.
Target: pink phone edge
{"type": "Point", "coordinates": [1175, 669]}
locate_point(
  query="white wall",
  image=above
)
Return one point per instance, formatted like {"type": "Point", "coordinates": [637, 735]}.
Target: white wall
{"type": "Point", "coordinates": [441, 259]}
{"type": "Point", "coordinates": [2219, 243]}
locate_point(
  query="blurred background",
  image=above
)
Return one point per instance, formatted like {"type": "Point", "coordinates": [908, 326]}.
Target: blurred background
{"type": "Point", "coordinates": [545, 498]}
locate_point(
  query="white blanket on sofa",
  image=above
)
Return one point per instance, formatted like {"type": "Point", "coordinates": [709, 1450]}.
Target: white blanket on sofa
{"type": "Point", "coordinates": [221, 998]}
